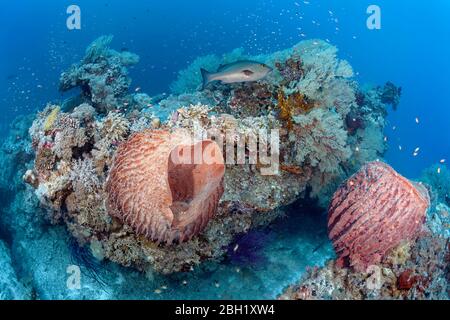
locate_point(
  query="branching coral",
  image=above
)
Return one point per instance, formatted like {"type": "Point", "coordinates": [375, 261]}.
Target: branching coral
{"type": "Point", "coordinates": [83, 177]}
{"type": "Point", "coordinates": [193, 117]}
{"type": "Point", "coordinates": [68, 137]}
{"type": "Point", "coordinates": [110, 132]}
{"type": "Point", "coordinates": [114, 128]}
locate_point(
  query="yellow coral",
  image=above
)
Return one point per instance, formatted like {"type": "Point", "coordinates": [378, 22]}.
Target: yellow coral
{"type": "Point", "coordinates": [285, 110]}
{"type": "Point", "coordinates": [295, 104]}
{"type": "Point", "coordinates": [51, 118]}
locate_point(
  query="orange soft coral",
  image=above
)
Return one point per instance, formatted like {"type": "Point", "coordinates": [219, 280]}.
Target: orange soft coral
{"type": "Point", "coordinates": [293, 105]}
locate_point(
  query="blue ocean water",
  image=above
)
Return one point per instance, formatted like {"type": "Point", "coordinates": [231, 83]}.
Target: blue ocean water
{"type": "Point", "coordinates": [411, 50]}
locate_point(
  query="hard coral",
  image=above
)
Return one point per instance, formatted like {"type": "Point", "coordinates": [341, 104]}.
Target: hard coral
{"type": "Point", "coordinates": [373, 212]}
{"type": "Point", "coordinates": [251, 99]}
{"type": "Point", "coordinates": [114, 127]}
{"type": "Point", "coordinates": [291, 69]}
{"type": "Point", "coordinates": [102, 76]}
{"type": "Point", "coordinates": [161, 196]}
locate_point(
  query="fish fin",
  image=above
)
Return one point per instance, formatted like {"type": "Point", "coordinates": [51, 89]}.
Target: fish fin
{"type": "Point", "coordinates": [248, 72]}
{"type": "Point", "coordinates": [206, 76]}
{"type": "Point", "coordinates": [221, 67]}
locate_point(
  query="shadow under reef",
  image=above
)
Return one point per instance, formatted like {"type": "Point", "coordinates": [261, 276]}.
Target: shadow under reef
{"type": "Point", "coordinates": [259, 265]}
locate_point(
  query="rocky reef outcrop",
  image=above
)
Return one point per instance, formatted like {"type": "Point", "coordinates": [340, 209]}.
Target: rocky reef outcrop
{"type": "Point", "coordinates": [311, 122]}
{"type": "Point", "coordinates": [102, 76]}
{"type": "Point", "coordinates": [391, 242]}
{"type": "Point", "coordinates": [413, 270]}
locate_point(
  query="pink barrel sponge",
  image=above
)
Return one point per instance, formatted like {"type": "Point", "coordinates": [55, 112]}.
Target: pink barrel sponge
{"type": "Point", "coordinates": [372, 213]}
{"type": "Point", "coordinates": [160, 196]}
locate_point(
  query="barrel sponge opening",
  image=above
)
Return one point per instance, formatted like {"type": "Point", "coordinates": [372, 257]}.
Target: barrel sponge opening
{"type": "Point", "coordinates": [189, 180]}
{"type": "Point", "coordinates": [165, 185]}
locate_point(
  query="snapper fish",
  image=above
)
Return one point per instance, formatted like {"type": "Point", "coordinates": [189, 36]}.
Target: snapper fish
{"type": "Point", "coordinates": [239, 71]}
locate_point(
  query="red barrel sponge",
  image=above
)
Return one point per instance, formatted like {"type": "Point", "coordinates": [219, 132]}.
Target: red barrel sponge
{"type": "Point", "coordinates": [372, 213]}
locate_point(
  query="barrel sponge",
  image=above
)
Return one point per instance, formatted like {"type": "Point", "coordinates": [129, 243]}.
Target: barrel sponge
{"type": "Point", "coordinates": [373, 212]}
{"type": "Point", "coordinates": [165, 185]}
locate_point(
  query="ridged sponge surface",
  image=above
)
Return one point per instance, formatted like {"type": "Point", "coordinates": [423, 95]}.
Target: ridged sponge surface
{"type": "Point", "coordinates": [166, 185]}
{"type": "Point", "coordinates": [373, 212]}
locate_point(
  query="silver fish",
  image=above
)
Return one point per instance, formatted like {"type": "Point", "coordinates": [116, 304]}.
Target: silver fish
{"type": "Point", "coordinates": [239, 71]}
